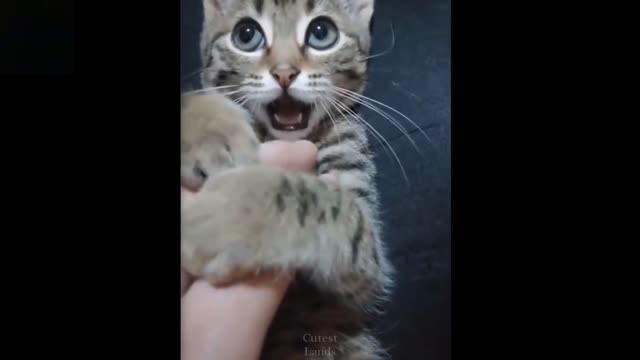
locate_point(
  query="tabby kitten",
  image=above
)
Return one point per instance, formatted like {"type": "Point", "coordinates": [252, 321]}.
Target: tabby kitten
{"type": "Point", "coordinates": [286, 69]}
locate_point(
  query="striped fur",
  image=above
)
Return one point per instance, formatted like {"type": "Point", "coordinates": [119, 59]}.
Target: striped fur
{"type": "Point", "coordinates": [266, 219]}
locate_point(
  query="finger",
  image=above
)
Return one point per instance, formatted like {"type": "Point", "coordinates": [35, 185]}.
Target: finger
{"type": "Point", "coordinates": [186, 197]}
{"type": "Point", "coordinates": [229, 323]}
{"type": "Point", "coordinates": [185, 281]}
{"type": "Point", "coordinates": [299, 155]}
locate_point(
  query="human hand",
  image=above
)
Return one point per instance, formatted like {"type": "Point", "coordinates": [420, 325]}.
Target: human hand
{"type": "Point", "coordinates": [230, 323]}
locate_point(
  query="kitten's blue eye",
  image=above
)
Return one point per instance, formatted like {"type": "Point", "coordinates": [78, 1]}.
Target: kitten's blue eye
{"type": "Point", "coordinates": [322, 33]}
{"type": "Point", "coordinates": [247, 36]}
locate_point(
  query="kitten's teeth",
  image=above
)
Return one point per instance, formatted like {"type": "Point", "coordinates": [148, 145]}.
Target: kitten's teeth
{"type": "Point", "coordinates": [288, 119]}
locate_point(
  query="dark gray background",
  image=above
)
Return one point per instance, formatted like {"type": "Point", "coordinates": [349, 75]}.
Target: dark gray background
{"type": "Point", "coordinates": [414, 77]}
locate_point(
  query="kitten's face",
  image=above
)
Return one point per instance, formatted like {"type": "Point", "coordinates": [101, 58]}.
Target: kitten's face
{"type": "Point", "coordinates": [286, 60]}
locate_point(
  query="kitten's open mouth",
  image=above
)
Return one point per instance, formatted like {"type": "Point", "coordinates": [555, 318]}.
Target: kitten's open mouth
{"type": "Point", "coordinates": [288, 114]}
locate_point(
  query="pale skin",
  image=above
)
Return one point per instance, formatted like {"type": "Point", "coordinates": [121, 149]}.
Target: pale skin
{"type": "Point", "coordinates": [231, 322]}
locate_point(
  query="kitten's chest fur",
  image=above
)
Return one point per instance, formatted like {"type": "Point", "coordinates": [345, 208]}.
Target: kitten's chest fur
{"type": "Point", "coordinates": [313, 323]}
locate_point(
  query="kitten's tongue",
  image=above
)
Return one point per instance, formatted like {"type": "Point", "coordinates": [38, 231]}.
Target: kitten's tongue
{"type": "Point", "coordinates": [287, 111]}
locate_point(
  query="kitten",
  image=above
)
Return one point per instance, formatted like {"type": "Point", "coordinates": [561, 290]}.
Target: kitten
{"type": "Point", "coordinates": [285, 69]}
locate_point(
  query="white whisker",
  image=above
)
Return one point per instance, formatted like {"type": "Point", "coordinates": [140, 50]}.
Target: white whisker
{"type": "Point", "coordinates": [384, 114]}
{"type": "Point", "coordinates": [209, 89]}
{"type": "Point", "coordinates": [197, 72]}
{"type": "Point", "coordinates": [393, 44]}
{"type": "Point", "coordinates": [404, 173]}
{"type": "Point", "coordinates": [386, 106]}
{"type": "Point", "coordinates": [355, 114]}
{"type": "Point", "coordinates": [331, 118]}
{"type": "Point", "coordinates": [241, 100]}
{"type": "Point", "coordinates": [231, 92]}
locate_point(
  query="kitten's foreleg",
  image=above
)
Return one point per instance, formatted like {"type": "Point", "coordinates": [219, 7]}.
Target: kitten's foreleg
{"type": "Point", "coordinates": [260, 218]}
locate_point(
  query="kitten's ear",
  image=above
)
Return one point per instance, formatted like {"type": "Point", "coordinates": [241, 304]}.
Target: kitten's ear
{"type": "Point", "coordinates": [215, 7]}
{"type": "Point", "coordinates": [362, 10]}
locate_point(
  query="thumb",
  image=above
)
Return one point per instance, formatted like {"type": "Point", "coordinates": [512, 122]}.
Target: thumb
{"type": "Point", "coordinates": [300, 155]}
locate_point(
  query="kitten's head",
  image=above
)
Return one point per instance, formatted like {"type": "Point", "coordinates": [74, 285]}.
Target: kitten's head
{"type": "Point", "coordinates": [283, 59]}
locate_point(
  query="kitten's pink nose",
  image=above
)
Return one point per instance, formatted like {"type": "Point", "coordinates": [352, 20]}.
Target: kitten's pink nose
{"type": "Point", "coordinates": [285, 75]}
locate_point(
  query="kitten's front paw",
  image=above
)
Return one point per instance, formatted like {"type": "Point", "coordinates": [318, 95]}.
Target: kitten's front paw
{"type": "Point", "coordinates": [225, 227]}
{"type": "Point", "coordinates": [229, 267]}
{"type": "Point", "coordinates": [216, 135]}
{"type": "Point", "coordinates": [217, 263]}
